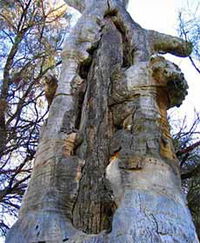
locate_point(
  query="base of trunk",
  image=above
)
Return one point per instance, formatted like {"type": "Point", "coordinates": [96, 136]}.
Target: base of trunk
{"type": "Point", "coordinates": [149, 217]}
{"type": "Point", "coordinates": [142, 217]}
{"type": "Point", "coordinates": [44, 226]}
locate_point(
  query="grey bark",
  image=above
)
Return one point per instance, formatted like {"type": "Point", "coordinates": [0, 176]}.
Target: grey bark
{"type": "Point", "coordinates": [105, 169]}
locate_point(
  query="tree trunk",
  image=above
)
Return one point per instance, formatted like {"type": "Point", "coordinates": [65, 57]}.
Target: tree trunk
{"type": "Point", "coordinates": [105, 169]}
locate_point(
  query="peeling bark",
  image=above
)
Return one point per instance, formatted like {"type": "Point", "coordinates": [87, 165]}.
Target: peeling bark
{"type": "Point", "coordinates": [105, 169]}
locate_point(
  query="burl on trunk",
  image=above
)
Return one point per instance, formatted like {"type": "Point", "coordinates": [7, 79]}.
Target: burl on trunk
{"type": "Point", "coordinates": [105, 169]}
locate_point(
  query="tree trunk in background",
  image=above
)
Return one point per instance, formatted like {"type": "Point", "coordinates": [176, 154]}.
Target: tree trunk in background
{"type": "Point", "coordinates": [105, 169]}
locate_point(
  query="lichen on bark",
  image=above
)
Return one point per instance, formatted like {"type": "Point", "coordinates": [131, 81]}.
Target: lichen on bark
{"type": "Point", "coordinates": [105, 169]}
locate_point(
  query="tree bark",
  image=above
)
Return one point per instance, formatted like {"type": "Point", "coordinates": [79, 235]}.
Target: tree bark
{"type": "Point", "coordinates": [105, 169]}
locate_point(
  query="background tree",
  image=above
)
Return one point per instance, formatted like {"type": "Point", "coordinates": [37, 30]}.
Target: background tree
{"type": "Point", "coordinates": [188, 138]}
{"type": "Point", "coordinates": [31, 35]}
{"type": "Point", "coordinates": [189, 29]}
{"type": "Point", "coordinates": [186, 142]}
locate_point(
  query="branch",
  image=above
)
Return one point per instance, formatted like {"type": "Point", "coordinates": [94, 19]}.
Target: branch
{"type": "Point", "coordinates": [163, 43]}
{"type": "Point", "coordinates": [185, 35]}
{"type": "Point", "coordinates": [194, 65]}
{"type": "Point", "coordinates": [21, 23]}
{"type": "Point", "coordinates": [10, 38]}
{"type": "Point", "coordinates": [188, 149]}
{"type": "Point", "coordinates": [9, 62]}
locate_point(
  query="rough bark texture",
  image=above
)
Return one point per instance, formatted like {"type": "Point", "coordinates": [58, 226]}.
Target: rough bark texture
{"type": "Point", "coordinates": [105, 169]}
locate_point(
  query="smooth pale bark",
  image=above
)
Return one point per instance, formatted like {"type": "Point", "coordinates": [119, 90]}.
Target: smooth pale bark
{"type": "Point", "coordinates": [105, 169]}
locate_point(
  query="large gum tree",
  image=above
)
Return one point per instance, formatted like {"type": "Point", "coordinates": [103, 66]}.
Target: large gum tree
{"type": "Point", "coordinates": [105, 168]}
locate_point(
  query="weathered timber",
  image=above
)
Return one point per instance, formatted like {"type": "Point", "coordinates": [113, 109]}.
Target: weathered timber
{"type": "Point", "coordinates": [105, 169]}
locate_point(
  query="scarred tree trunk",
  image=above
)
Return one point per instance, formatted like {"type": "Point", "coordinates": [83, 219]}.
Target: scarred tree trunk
{"type": "Point", "coordinates": [105, 169]}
